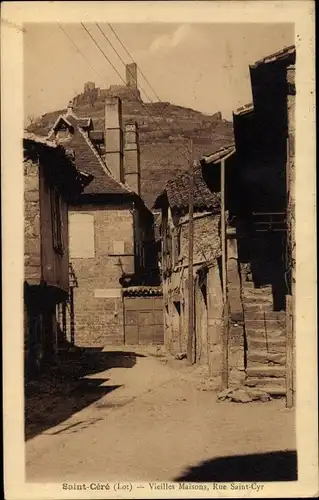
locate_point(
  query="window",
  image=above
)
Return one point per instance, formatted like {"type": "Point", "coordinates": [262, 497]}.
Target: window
{"type": "Point", "coordinates": [56, 216]}
{"type": "Point", "coordinates": [81, 236]}
{"type": "Point", "coordinates": [176, 246]}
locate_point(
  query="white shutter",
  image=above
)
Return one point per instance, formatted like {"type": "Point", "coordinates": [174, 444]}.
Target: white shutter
{"type": "Point", "coordinates": [81, 236]}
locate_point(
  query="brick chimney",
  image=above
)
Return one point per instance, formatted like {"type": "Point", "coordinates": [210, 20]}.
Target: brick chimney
{"type": "Point", "coordinates": [113, 137]}
{"type": "Point", "coordinates": [132, 166]}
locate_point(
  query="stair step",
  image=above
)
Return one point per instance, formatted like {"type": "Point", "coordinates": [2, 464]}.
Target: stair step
{"type": "Point", "coordinates": [273, 390]}
{"type": "Point", "coordinates": [250, 285]}
{"type": "Point", "coordinates": [262, 356]}
{"type": "Point", "coordinates": [253, 307]}
{"type": "Point", "coordinates": [253, 297]}
{"type": "Point", "coordinates": [257, 322]}
{"type": "Point", "coordinates": [269, 334]}
{"type": "Point", "coordinates": [257, 292]}
{"type": "Point", "coordinates": [273, 345]}
{"type": "Point", "coordinates": [264, 362]}
{"type": "Point", "coordinates": [266, 382]}
{"type": "Point", "coordinates": [279, 316]}
{"type": "Point", "coordinates": [266, 371]}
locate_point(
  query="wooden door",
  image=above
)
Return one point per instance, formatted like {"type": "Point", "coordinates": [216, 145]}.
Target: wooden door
{"type": "Point", "coordinates": [143, 320]}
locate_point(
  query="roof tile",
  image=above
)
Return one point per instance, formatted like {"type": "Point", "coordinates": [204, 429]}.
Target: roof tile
{"type": "Point", "coordinates": [87, 159]}
{"type": "Point", "coordinates": [177, 191]}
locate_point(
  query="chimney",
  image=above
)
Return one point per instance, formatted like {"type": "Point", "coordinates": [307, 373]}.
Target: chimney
{"type": "Point", "coordinates": [113, 137]}
{"type": "Point", "coordinates": [132, 165]}
{"type": "Point", "coordinates": [70, 108]}
{"type": "Point", "coordinates": [131, 75]}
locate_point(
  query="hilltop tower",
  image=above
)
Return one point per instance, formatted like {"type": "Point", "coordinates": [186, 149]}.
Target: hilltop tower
{"type": "Point", "coordinates": [89, 86]}
{"type": "Point", "coordinates": [131, 75]}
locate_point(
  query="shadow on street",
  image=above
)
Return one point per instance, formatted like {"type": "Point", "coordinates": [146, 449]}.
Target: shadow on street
{"type": "Point", "coordinates": [274, 466]}
{"type": "Point", "coordinates": [64, 389]}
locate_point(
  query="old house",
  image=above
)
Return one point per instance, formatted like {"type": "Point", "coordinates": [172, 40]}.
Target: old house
{"type": "Point", "coordinates": [111, 232]}
{"type": "Point", "coordinates": [264, 137]}
{"type": "Point", "coordinates": [51, 180]}
{"type": "Point", "coordinates": [209, 298]}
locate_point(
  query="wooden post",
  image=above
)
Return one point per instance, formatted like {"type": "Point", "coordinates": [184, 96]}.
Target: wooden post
{"type": "Point", "coordinates": [289, 352]}
{"type": "Point", "coordinates": [64, 328]}
{"type": "Point", "coordinates": [72, 315]}
{"type": "Point", "coordinates": [224, 278]}
{"type": "Point", "coordinates": [190, 342]}
{"type": "Point", "coordinates": [223, 227]}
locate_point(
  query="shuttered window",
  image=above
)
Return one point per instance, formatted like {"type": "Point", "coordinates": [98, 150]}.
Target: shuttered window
{"type": "Point", "coordinates": [81, 236]}
{"type": "Point", "coordinates": [56, 217]}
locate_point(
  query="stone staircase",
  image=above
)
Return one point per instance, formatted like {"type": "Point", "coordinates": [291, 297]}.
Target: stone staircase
{"type": "Point", "coordinates": [266, 341]}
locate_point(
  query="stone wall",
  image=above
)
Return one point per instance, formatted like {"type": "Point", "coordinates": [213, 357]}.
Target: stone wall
{"type": "Point", "coordinates": [236, 332]}
{"type": "Point", "coordinates": [291, 178]}
{"type": "Point", "coordinates": [98, 298]}
{"type": "Point", "coordinates": [32, 241]}
{"type": "Point", "coordinates": [206, 237]}
{"type": "Point", "coordinates": [208, 299]}
{"type": "Point", "coordinates": [215, 324]}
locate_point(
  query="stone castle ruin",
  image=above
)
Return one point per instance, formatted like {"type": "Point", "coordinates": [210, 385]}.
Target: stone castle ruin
{"type": "Point", "coordinates": [128, 91]}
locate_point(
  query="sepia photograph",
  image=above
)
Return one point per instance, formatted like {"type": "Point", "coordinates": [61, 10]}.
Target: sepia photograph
{"type": "Point", "coordinates": [159, 239]}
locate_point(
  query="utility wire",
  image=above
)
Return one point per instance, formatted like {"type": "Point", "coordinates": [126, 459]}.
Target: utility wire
{"type": "Point", "coordinates": [146, 80]}
{"type": "Point", "coordinates": [139, 70]}
{"type": "Point", "coordinates": [122, 44]}
{"type": "Point", "coordinates": [78, 50]}
{"type": "Point", "coordinates": [118, 55]}
{"type": "Point", "coordinates": [117, 72]}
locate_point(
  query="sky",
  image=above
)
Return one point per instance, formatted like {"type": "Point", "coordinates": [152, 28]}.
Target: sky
{"type": "Point", "coordinates": [200, 66]}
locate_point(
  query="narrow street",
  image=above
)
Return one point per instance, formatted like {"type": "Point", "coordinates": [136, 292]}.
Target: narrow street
{"type": "Point", "coordinates": [144, 417]}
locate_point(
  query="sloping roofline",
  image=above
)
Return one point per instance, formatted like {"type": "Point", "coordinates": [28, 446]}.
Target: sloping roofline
{"type": "Point", "coordinates": [244, 110]}
{"type": "Point", "coordinates": [64, 117]}
{"type": "Point", "coordinates": [220, 155]}
{"type": "Point", "coordinates": [29, 136]}
{"type": "Point", "coordinates": [276, 56]}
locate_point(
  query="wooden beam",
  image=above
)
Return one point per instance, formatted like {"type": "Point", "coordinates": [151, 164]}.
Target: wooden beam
{"type": "Point", "coordinates": [224, 278]}
{"type": "Point", "coordinates": [190, 340]}
{"type": "Point", "coordinates": [72, 316]}
{"type": "Point", "coordinates": [289, 352]}
{"type": "Point", "coordinates": [223, 227]}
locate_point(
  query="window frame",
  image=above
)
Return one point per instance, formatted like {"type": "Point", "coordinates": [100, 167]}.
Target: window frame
{"type": "Point", "coordinates": [57, 221]}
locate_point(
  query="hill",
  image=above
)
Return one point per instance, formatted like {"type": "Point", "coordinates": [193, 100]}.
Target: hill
{"type": "Point", "coordinates": [164, 129]}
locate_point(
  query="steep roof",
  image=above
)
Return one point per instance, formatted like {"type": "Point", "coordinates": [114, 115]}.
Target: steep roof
{"type": "Point", "coordinates": [35, 146]}
{"type": "Point", "coordinates": [178, 193]}
{"type": "Point", "coordinates": [204, 198]}
{"type": "Point", "coordinates": [29, 136]}
{"type": "Point", "coordinates": [72, 120]}
{"type": "Point", "coordinates": [88, 159]}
